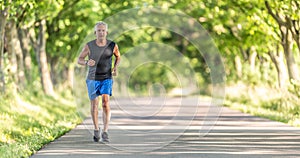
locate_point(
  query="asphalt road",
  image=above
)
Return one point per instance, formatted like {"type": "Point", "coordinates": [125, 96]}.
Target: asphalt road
{"type": "Point", "coordinates": [178, 127]}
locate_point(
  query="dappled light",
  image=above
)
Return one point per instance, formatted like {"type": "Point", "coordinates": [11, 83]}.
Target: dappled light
{"type": "Point", "coordinates": [234, 134]}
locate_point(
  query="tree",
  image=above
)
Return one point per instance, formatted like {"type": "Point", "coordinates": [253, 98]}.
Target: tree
{"type": "Point", "coordinates": [3, 19]}
{"type": "Point", "coordinates": [10, 14]}
{"type": "Point", "coordinates": [248, 36]}
{"type": "Point", "coordinates": [281, 13]}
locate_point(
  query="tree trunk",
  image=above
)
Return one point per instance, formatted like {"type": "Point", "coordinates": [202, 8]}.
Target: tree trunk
{"type": "Point", "coordinates": [25, 46]}
{"type": "Point", "coordinates": [42, 60]}
{"type": "Point", "coordinates": [287, 44]}
{"type": "Point", "coordinates": [11, 52]}
{"type": "Point", "coordinates": [3, 17]}
{"type": "Point", "coordinates": [70, 78]}
{"type": "Point", "coordinates": [19, 55]}
{"type": "Point", "coordinates": [252, 57]}
{"type": "Point", "coordinates": [282, 74]}
{"type": "Point", "coordinates": [294, 26]}
{"type": "Point", "coordinates": [238, 66]}
{"type": "Point", "coordinates": [54, 72]}
{"type": "Point", "coordinates": [244, 53]}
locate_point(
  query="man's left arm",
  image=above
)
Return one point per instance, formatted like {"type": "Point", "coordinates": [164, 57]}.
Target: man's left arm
{"type": "Point", "coordinates": [117, 59]}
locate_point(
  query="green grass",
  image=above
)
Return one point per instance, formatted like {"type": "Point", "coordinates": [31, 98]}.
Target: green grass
{"type": "Point", "coordinates": [30, 120]}
{"type": "Point", "coordinates": [274, 104]}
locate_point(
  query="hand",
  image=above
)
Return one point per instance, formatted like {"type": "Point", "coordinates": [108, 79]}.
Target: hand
{"type": "Point", "coordinates": [91, 62]}
{"type": "Point", "coordinates": [114, 71]}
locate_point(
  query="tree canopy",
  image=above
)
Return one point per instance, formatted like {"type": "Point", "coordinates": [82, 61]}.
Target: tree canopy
{"type": "Point", "coordinates": [258, 41]}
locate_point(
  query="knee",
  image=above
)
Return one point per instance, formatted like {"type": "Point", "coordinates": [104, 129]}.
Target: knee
{"type": "Point", "coordinates": [105, 103]}
{"type": "Point", "coordinates": [94, 107]}
{"type": "Point", "coordinates": [105, 106]}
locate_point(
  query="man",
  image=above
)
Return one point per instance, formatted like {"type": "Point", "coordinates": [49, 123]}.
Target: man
{"type": "Point", "coordinates": [99, 79]}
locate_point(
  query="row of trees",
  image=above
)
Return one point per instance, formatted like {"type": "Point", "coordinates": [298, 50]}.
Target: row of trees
{"type": "Point", "coordinates": [40, 39]}
{"type": "Point", "coordinates": [252, 35]}
{"type": "Point", "coordinates": [34, 35]}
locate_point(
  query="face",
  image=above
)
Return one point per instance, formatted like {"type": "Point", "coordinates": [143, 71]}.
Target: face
{"type": "Point", "coordinates": [101, 32]}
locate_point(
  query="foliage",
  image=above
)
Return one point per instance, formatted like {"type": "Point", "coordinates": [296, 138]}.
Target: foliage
{"type": "Point", "coordinates": [239, 28]}
{"type": "Point", "coordinates": [31, 120]}
{"type": "Point", "coordinates": [295, 88]}
{"type": "Point", "coordinates": [265, 102]}
{"type": "Point", "coordinates": [235, 26]}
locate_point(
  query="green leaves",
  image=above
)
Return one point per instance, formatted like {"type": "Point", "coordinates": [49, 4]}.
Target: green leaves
{"type": "Point", "coordinates": [236, 26]}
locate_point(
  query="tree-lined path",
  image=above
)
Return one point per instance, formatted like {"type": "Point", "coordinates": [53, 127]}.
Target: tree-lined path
{"type": "Point", "coordinates": [257, 44]}
{"type": "Point", "coordinates": [133, 133]}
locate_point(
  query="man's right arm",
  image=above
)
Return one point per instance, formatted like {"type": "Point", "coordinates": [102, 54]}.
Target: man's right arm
{"type": "Point", "coordinates": [83, 54]}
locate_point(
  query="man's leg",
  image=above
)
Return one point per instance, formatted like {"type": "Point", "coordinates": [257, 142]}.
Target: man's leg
{"type": "Point", "coordinates": [94, 112]}
{"type": "Point", "coordinates": [106, 117]}
{"type": "Point", "coordinates": [106, 112]}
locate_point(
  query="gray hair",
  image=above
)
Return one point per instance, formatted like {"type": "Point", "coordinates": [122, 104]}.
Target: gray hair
{"type": "Point", "coordinates": [101, 23]}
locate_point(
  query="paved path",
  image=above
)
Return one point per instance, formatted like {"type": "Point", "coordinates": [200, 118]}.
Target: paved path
{"type": "Point", "coordinates": [178, 127]}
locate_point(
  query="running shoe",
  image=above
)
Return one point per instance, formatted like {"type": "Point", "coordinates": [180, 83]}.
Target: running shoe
{"type": "Point", "coordinates": [96, 135]}
{"type": "Point", "coordinates": [105, 137]}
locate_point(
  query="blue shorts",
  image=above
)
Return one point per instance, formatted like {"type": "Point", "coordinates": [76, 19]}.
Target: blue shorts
{"type": "Point", "coordinates": [96, 88]}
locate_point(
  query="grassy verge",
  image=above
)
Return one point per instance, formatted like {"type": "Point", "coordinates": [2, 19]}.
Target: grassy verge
{"type": "Point", "coordinates": [265, 102]}
{"type": "Point", "coordinates": [30, 120]}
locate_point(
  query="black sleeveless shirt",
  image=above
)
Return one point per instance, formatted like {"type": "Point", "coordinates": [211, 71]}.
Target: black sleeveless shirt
{"type": "Point", "coordinates": [102, 55]}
